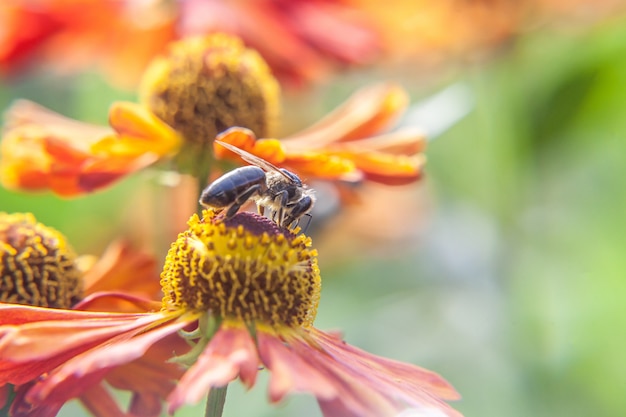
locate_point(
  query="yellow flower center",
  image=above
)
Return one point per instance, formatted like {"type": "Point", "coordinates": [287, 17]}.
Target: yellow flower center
{"type": "Point", "coordinates": [37, 265]}
{"type": "Point", "coordinates": [203, 85]}
{"type": "Point", "coordinates": [246, 268]}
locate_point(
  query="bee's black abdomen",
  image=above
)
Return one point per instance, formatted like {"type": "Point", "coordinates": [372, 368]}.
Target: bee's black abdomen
{"type": "Point", "coordinates": [225, 190]}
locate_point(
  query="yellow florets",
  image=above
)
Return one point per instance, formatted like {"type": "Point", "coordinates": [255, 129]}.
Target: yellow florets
{"type": "Point", "coordinates": [246, 268]}
{"type": "Point", "coordinates": [37, 265]}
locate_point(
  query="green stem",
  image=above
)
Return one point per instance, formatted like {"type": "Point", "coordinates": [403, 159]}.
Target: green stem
{"type": "Point", "coordinates": [215, 402]}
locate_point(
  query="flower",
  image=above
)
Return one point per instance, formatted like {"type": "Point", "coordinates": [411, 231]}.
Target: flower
{"type": "Point", "coordinates": [203, 85]}
{"type": "Point", "coordinates": [37, 265]}
{"type": "Point", "coordinates": [122, 36]}
{"type": "Point", "coordinates": [347, 144]}
{"type": "Point", "coordinates": [252, 290]}
{"type": "Point", "coordinates": [198, 88]}
{"type": "Point", "coordinates": [43, 150]}
{"type": "Point", "coordinates": [117, 36]}
{"type": "Point", "coordinates": [302, 40]}
{"type": "Point", "coordinates": [229, 86]}
{"type": "Point", "coordinates": [39, 269]}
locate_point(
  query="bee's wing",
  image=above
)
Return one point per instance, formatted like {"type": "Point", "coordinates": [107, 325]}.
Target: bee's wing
{"type": "Point", "coordinates": [253, 159]}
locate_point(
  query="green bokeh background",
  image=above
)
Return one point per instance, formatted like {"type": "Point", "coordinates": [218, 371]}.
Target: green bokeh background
{"type": "Point", "coordinates": [515, 288]}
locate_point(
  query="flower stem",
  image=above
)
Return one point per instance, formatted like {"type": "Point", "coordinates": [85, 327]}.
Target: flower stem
{"type": "Point", "coordinates": [215, 402]}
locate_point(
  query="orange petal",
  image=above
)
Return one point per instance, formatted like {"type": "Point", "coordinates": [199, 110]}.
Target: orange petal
{"type": "Point", "coordinates": [27, 113]}
{"type": "Point", "coordinates": [290, 372]}
{"type": "Point", "coordinates": [44, 150]}
{"type": "Point", "coordinates": [269, 149]}
{"type": "Point", "coordinates": [230, 353]}
{"type": "Point", "coordinates": [72, 334]}
{"type": "Point", "coordinates": [117, 301]}
{"type": "Point", "coordinates": [365, 113]}
{"type": "Point", "coordinates": [99, 402]}
{"type": "Point", "coordinates": [139, 131]}
{"type": "Point", "coordinates": [69, 379]}
{"type": "Point", "coordinates": [386, 168]}
{"type": "Point", "coordinates": [396, 384]}
{"type": "Point", "coordinates": [324, 166]}
{"type": "Point", "coordinates": [123, 268]}
{"type": "Point", "coordinates": [406, 141]}
{"type": "Point", "coordinates": [24, 162]}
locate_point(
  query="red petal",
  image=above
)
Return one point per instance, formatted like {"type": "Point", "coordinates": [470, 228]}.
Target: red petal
{"type": "Point", "coordinates": [290, 372]}
{"type": "Point", "coordinates": [230, 353]}
{"type": "Point", "coordinates": [99, 402]}
{"type": "Point", "coordinates": [68, 380]}
{"type": "Point", "coordinates": [118, 302]}
{"type": "Point", "coordinates": [16, 314]}
{"type": "Point", "coordinates": [119, 268]}
{"type": "Point", "coordinates": [399, 382]}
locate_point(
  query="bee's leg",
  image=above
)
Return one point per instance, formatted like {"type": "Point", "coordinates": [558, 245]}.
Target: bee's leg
{"type": "Point", "coordinates": [260, 209]}
{"type": "Point", "coordinates": [241, 200]}
{"type": "Point", "coordinates": [283, 199]}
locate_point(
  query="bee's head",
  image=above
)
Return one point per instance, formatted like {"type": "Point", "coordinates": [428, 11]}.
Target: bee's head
{"type": "Point", "coordinates": [293, 177]}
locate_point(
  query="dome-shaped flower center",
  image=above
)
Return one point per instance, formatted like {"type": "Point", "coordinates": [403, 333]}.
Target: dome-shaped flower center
{"type": "Point", "coordinates": [245, 268]}
{"type": "Point", "coordinates": [203, 85]}
{"type": "Point", "coordinates": [37, 265]}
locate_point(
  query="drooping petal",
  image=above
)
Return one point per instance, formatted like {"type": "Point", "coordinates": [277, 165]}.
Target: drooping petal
{"type": "Point", "coordinates": [117, 301]}
{"type": "Point", "coordinates": [397, 385]}
{"type": "Point", "coordinates": [66, 381]}
{"type": "Point", "coordinates": [139, 131]}
{"type": "Point", "coordinates": [290, 372]}
{"type": "Point", "coordinates": [21, 408]}
{"type": "Point", "coordinates": [100, 403]}
{"type": "Point", "coordinates": [16, 314]}
{"type": "Point", "coordinates": [43, 150]}
{"type": "Point", "coordinates": [230, 353]}
{"type": "Point", "coordinates": [76, 333]}
{"type": "Point", "coordinates": [386, 168]}
{"type": "Point", "coordinates": [123, 268]}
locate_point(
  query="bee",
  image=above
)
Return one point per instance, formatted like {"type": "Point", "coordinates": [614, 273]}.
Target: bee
{"type": "Point", "coordinates": [277, 189]}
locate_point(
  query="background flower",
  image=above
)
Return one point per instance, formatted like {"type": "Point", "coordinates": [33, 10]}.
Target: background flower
{"type": "Point", "coordinates": [39, 269]}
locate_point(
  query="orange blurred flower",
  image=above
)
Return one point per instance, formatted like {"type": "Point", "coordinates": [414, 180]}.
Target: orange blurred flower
{"type": "Point", "coordinates": [301, 40]}
{"type": "Point", "coordinates": [351, 143]}
{"type": "Point", "coordinates": [42, 150]}
{"type": "Point", "coordinates": [120, 36]}
{"type": "Point", "coordinates": [252, 289]}
{"type": "Point", "coordinates": [118, 286]}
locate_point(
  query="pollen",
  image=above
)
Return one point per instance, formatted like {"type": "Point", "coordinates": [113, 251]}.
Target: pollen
{"type": "Point", "coordinates": [204, 85]}
{"type": "Point", "coordinates": [246, 268]}
{"type": "Point", "coordinates": [37, 265]}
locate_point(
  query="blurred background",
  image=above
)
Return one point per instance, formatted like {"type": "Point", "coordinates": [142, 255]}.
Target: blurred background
{"type": "Point", "coordinates": [504, 268]}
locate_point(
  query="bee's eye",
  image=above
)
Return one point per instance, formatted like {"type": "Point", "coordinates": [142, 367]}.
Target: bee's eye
{"type": "Point", "coordinates": [293, 177]}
